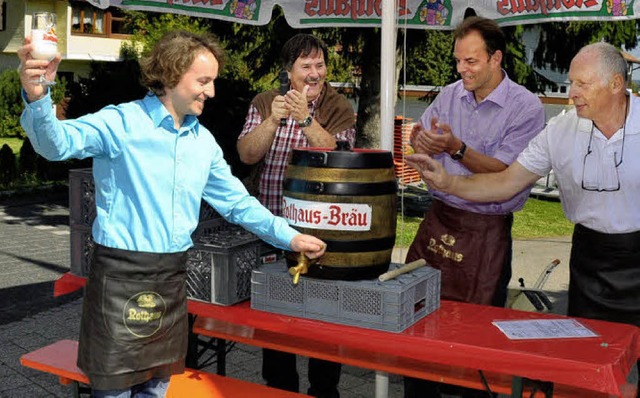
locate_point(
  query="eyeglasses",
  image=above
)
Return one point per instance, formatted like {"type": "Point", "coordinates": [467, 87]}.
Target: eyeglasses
{"type": "Point", "coordinates": [592, 167]}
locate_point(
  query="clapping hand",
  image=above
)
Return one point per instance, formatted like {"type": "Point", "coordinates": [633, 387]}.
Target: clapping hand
{"type": "Point", "coordinates": [438, 139]}
{"type": "Point", "coordinates": [296, 103]}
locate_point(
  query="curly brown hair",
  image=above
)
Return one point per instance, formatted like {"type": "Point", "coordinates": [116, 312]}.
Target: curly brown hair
{"type": "Point", "coordinates": [173, 55]}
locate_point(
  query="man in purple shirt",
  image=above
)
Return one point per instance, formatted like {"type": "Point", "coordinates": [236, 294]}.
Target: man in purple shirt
{"type": "Point", "coordinates": [478, 124]}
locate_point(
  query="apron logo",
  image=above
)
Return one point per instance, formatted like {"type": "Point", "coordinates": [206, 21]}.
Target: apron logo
{"type": "Point", "coordinates": [448, 240]}
{"type": "Point", "coordinates": [143, 313]}
{"type": "Point", "coordinates": [441, 250]}
{"type": "Point", "coordinates": [146, 301]}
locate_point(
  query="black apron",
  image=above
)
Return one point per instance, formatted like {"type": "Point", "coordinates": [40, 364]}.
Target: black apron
{"type": "Point", "coordinates": [134, 318]}
{"type": "Point", "coordinates": [605, 276]}
{"type": "Point", "coordinates": [472, 250]}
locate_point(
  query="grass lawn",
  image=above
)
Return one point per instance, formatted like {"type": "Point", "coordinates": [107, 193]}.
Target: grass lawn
{"type": "Point", "coordinates": [538, 219]}
{"type": "Point", "coordinates": [541, 219]}
{"type": "Point", "coordinates": [14, 143]}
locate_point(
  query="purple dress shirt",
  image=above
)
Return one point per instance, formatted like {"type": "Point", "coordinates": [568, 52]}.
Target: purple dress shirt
{"type": "Point", "coordinates": [501, 126]}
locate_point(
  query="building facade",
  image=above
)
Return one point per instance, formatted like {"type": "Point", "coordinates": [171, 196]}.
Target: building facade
{"type": "Point", "coordinates": [85, 33]}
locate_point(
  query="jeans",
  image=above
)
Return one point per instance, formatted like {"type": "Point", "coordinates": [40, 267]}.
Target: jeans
{"type": "Point", "coordinates": [154, 388]}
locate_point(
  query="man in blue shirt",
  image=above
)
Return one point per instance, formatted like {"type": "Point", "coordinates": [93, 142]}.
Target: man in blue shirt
{"type": "Point", "coordinates": [152, 164]}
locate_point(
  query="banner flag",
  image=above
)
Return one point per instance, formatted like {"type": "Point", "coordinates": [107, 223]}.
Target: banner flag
{"type": "Point", "coordinates": [415, 14]}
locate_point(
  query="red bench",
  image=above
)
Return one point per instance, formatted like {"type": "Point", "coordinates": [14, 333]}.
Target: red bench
{"type": "Point", "coordinates": [60, 358]}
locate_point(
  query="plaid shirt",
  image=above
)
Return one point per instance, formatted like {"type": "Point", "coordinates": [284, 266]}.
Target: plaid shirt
{"type": "Point", "coordinates": [275, 161]}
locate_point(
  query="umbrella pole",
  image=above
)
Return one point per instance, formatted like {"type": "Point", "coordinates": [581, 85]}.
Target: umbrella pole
{"type": "Point", "coordinates": [387, 73]}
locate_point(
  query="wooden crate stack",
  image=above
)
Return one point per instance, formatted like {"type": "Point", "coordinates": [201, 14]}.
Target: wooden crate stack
{"type": "Point", "coordinates": [401, 136]}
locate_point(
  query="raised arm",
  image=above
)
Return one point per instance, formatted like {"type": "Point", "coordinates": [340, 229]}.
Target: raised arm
{"type": "Point", "coordinates": [486, 187]}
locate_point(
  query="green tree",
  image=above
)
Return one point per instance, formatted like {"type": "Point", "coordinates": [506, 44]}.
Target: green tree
{"type": "Point", "coordinates": [11, 104]}
{"type": "Point", "coordinates": [428, 58]}
{"type": "Point", "coordinates": [148, 28]}
{"type": "Point", "coordinates": [518, 67]}
{"type": "Point", "coordinates": [253, 52]}
{"type": "Point", "coordinates": [560, 41]}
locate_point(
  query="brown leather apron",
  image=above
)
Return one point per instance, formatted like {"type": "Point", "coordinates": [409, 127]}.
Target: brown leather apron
{"type": "Point", "coordinates": [134, 318]}
{"type": "Point", "coordinates": [472, 250]}
{"type": "Point", "coordinates": [605, 276]}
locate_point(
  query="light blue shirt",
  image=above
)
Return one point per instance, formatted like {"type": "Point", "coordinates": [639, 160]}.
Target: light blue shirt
{"type": "Point", "coordinates": [500, 127]}
{"type": "Point", "coordinates": [149, 177]}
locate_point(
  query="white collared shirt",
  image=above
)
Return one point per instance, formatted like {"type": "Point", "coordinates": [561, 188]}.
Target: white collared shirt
{"type": "Point", "coordinates": [562, 146]}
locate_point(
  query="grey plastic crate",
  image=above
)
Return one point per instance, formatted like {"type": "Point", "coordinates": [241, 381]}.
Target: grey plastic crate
{"type": "Point", "coordinates": [82, 246]}
{"type": "Point", "coordinates": [82, 203]}
{"type": "Point", "coordinates": [392, 306]}
{"type": "Point", "coordinates": [220, 264]}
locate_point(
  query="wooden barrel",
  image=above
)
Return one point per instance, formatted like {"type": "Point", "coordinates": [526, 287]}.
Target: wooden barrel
{"type": "Point", "coordinates": [348, 199]}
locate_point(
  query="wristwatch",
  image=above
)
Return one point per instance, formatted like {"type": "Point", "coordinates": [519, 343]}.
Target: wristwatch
{"type": "Point", "coordinates": [306, 122]}
{"type": "Point", "coordinates": [459, 154]}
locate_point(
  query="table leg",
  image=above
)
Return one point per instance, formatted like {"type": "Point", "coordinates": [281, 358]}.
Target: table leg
{"type": "Point", "coordinates": [518, 385]}
{"type": "Point", "coordinates": [76, 389]}
{"type": "Point", "coordinates": [382, 384]}
{"type": "Point", "coordinates": [221, 356]}
{"type": "Point", "coordinates": [192, 347]}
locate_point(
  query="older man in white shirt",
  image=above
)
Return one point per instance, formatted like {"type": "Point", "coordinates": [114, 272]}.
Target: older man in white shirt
{"type": "Point", "coordinates": [592, 151]}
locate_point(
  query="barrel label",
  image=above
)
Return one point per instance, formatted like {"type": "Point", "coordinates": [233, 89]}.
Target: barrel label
{"type": "Point", "coordinates": [322, 215]}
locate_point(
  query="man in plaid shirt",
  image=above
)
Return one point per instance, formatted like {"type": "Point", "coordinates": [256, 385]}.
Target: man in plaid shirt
{"type": "Point", "coordinates": [310, 114]}
{"type": "Point", "coordinates": [316, 116]}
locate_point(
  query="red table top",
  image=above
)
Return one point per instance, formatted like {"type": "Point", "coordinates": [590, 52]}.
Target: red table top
{"type": "Point", "coordinates": [458, 335]}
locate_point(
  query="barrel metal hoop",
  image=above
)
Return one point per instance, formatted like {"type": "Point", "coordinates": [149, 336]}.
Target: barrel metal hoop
{"type": "Point", "coordinates": [356, 246]}
{"type": "Point", "coordinates": [341, 188]}
{"type": "Point", "coordinates": [342, 159]}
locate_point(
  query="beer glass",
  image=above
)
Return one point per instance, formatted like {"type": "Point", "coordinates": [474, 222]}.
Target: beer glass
{"type": "Point", "coordinates": [44, 40]}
